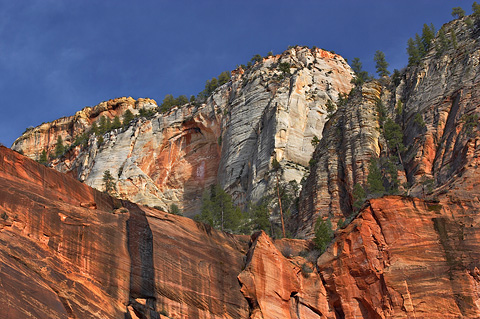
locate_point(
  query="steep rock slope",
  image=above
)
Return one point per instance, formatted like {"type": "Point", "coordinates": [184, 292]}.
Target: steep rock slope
{"type": "Point", "coordinates": [264, 112]}
{"type": "Point", "coordinates": [44, 136]}
{"type": "Point", "coordinates": [437, 106]}
{"type": "Point", "coordinates": [70, 251]}
{"type": "Point", "coordinates": [405, 257]}
{"type": "Point", "coordinates": [351, 139]}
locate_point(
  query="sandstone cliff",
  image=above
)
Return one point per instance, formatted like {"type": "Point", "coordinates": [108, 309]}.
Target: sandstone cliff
{"type": "Point", "coordinates": [437, 107]}
{"type": "Point", "coordinates": [70, 251]}
{"type": "Point", "coordinates": [264, 112]}
{"type": "Point", "coordinates": [44, 136]}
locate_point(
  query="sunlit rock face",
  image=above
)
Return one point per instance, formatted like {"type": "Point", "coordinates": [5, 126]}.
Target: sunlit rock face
{"type": "Point", "coordinates": [70, 251]}
{"type": "Point", "coordinates": [264, 112]}
{"type": "Point", "coordinates": [436, 103]}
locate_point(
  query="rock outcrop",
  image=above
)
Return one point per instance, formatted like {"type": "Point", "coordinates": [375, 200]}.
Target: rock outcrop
{"type": "Point", "coordinates": [70, 251]}
{"type": "Point", "coordinates": [44, 136]}
{"type": "Point", "coordinates": [264, 112]}
{"type": "Point", "coordinates": [405, 258]}
{"type": "Point", "coordinates": [436, 105]}
{"type": "Point", "coordinates": [351, 139]}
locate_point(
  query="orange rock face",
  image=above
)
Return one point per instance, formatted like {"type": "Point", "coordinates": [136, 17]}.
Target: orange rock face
{"type": "Point", "coordinates": [404, 257]}
{"type": "Point", "coordinates": [70, 252]}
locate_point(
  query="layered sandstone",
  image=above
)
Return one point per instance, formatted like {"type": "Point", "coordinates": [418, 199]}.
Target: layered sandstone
{"type": "Point", "coordinates": [44, 136]}
{"type": "Point", "coordinates": [351, 139]}
{"type": "Point", "coordinates": [402, 257]}
{"type": "Point", "coordinates": [437, 106]}
{"type": "Point", "coordinates": [70, 251]}
{"type": "Point", "coordinates": [261, 114]}
{"type": "Point", "coordinates": [405, 258]}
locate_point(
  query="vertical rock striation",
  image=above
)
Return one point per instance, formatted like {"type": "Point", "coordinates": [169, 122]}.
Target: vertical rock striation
{"type": "Point", "coordinates": [264, 112]}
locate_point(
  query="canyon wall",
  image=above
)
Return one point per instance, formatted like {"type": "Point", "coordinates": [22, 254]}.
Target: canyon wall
{"type": "Point", "coordinates": [70, 251]}
{"type": "Point", "coordinates": [436, 104]}
{"type": "Point", "coordinates": [263, 113]}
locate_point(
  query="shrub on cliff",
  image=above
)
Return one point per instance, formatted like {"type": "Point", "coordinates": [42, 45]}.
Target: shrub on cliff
{"type": "Point", "coordinates": [284, 67]}
{"type": "Point", "coordinates": [175, 210]}
{"type": "Point", "coordinates": [323, 234]}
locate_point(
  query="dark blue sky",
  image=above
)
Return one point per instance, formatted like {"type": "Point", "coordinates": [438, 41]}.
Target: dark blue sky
{"type": "Point", "coordinates": [58, 56]}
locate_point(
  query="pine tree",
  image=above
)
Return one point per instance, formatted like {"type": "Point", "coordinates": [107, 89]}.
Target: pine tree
{"type": "Point", "coordinates": [358, 194]}
{"type": "Point", "coordinates": [256, 58]}
{"type": "Point", "coordinates": [181, 100]}
{"type": "Point", "coordinates": [259, 216]}
{"type": "Point", "coordinates": [94, 128]}
{"type": "Point", "coordinates": [442, 42]}
{"type": "Point", "coordinates": [381, 64]}
{"type": "Point", "coordinates": [413, 53]}
{"type": "Point", "coordinates": [277, 169]}
{"type": "Point", "coordinates": [458, 12]}
{"type": "Point", "coordinates": [360, 75]}
{"type": "Point", "coordinates": [102, 125]}
{"type": "Point", "coordinates": [419, 45]}
{"type": "Point", "coordinates": [453, 36]}
{"type": "Point", "coordinates": [428, 34]}
{"type": "Point", "coordinates": [219, 211]}
{"type": "Point", "coordinates": [116, 123]}
{"type": "Point", "coordinates": [168, 102]}
{"type": "Point", "coordinates": [374, 179]}
{"type": "Point", "coordinates": [223, 78]}
{"type": "Point", "coordinates": [323, 234]}
{"type": "Point", "coordinates": [109, 183]}
{"type": "Point", "coordinates": [59, 147]}
{"type": "Point", "coordinates": [127, 117]}
{"type": "Point", "coordinates": [356, 65]}
{"type": "Point", "coordinates": [394, 135]}
{"type": "Point", "coordinates": [476, 9]}
{"type": "Point", "coordinates": [43, 158]}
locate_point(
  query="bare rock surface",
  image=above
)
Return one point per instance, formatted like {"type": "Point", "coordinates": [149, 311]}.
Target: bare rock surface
{"type": "Point", "coordinates": [261, 114]}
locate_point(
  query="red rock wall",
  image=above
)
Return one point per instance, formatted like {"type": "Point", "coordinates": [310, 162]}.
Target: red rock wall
{"type": "Point", "coordinates": [83, 258]}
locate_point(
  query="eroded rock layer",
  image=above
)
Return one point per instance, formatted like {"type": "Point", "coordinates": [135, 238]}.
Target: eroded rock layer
{"type": "Point", "coordinates": [435, 103]}
{"type": "Point", "coordinates": [264, 112]}
{"type": "Point", "coordinates": [69, 251]}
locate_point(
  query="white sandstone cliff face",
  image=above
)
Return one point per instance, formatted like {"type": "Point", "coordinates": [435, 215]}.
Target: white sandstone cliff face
{"type": "Point", "coordinates": [273, 115]}
{"type": "Point", "coordinates": [261, 114]}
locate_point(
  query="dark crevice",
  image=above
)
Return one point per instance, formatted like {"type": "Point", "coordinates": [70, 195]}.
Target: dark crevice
{"type": "Point", "coordinates": [142, 269]}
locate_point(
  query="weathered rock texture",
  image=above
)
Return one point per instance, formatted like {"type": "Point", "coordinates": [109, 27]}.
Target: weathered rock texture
{"type": "Point", "coordinates": [351, 139]}
{"type": "Point", "coordinates": [44, 136]}
{"type": "Point", "coordinates": [437, 106]}
{"type": "Point", "coordinates": [278, 286]}
{"type": "Point", "coordinates": [67, 252]}
{"type": "Point", "coordinates": [406, 258]}
{"type": "Point", "coordinates": [261, 114]}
